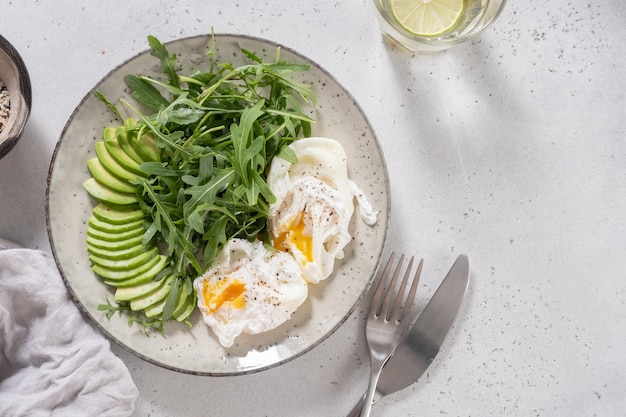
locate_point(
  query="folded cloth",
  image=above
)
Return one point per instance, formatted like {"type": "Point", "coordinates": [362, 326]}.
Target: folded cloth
{"type": "Point", "coordinates": [52, 361]}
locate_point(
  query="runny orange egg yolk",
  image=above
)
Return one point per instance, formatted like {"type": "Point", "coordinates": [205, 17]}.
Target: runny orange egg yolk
{"type": "Point", "coordinates": [296, 236]}
{"type": "Point", "coordinates": [224, 291]}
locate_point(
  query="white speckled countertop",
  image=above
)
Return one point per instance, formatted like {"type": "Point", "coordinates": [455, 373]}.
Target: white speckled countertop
{"type": "Point", "coordinates": [511, 149]}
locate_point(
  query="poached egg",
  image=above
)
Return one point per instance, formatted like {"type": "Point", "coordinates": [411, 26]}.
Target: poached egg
{"type": "Point", "coordinates": [249, 289]}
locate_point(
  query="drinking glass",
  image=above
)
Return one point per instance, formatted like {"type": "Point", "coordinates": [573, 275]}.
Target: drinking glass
{"type": "Point", "coordinates": [475, 18]}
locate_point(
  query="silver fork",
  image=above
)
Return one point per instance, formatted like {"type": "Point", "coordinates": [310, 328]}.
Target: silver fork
{"type": "Point", "coordinates": [387, 322]}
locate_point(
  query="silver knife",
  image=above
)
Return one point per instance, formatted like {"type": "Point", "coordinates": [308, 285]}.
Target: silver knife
{"type": "Point", "coordinates": [424, 339]}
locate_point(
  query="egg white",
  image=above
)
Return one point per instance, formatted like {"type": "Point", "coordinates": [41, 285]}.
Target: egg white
{"type": "Point", "coordinates": [249, 289]}
{"type": "Point", "coordinates": [314, 205]}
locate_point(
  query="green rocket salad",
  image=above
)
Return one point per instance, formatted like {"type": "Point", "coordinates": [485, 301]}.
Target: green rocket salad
{"type": "Point", "coordinates": [202, 144]}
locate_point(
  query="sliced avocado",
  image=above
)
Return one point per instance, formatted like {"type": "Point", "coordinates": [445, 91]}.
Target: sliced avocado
{"type": "Point", "coordinates": [153, 297]}
{"type": "Point", "coordinates": [181, 300]}
{"type": "Point", "coordinates": [111, 164]}
{"type": "Point", "coordinates": [113, 216]}
{"type": "Point", "coordinates": [112, 227]}
{"type": "Point", "coordinates": [105, 194]}
{"type": "Point", "coordinates": [137, 291]}
{"type": "Point", "coordinates": [122, 158]}
{"type": "Point", "coordinates": [122, 244]}
{"type": "Point", "coordinates": [117, 255]}
{"type": "Point", "coordinates": [124, 274]}
{"type": "Point", "coordinates": [190, 305]}
{"type": "Point", "coordinates": [124, 141]}
{"type": "Point", "coordinates": [155, 309]}
{"type": "Point", "coordinates": [145, 145]}
{"type": "Point", "coordinates": [141, 278]}
{"type": "Point", "coordinates": [116, 236]}
{"type": "Point", "coordinates": [104, 177]}
{"type": "Point", "coordinates": [124, 264]}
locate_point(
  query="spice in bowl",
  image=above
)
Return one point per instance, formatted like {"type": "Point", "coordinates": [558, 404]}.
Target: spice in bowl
{"type": "Point", "coordinates": [5, 106]}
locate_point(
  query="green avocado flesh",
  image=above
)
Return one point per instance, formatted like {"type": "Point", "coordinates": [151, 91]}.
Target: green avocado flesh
{"type": "Point", "coordinates": [120, 156]}
{"type": "Point", "coordinates": [125, 264]}
{"type": "Point", "coordinates": [115, 237]}
{"type": "Point", "coordinates": [145, 146]}
{"type": "Point", "coordinates": [111, 164]}
{"type": "Point", "coordinates": [115, 216]}
{"type": "Point", "coordinates": [104, 177]}
{"type": "Point", "coordinates": [115, 232]}
{"type": "Point", "coordinates": [138, 291]}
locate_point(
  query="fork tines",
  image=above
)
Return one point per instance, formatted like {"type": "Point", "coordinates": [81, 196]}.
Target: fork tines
{"type": "Point", "coordinates": [387, 288]}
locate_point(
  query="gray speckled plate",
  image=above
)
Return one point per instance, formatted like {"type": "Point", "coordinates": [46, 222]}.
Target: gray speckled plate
{"type": "Point", "coordinates": [196, 350]}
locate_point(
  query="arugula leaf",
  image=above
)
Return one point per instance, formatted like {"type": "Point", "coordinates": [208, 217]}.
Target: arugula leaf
{"type": "Point", "coordinates": [170, 301]}
{"type": "Point", "coordinates": [155, 324]}
{"type": "Point", "coordinates": [161, 169]}
{"type": "Point", "coordinates": [110, 105]}
{"type": "Point", "coordinates": [288, 154]}
{"type": "Point", "coordinates": [145, 93]}
{"type": "Point", "coordinates": [245, 147]}
{"type": "Point", "coordinates": [169, 61]}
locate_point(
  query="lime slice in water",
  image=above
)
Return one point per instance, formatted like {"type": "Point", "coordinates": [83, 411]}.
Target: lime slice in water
{"type": "Point", "coordinates": [427, 17]}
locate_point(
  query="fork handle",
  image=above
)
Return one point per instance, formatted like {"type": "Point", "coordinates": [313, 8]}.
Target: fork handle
{"type": "Point", "coordinates": [377, 367]}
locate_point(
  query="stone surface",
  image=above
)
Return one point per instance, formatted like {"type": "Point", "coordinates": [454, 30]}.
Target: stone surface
{"type": "Point", "coordinates": [509, 148]}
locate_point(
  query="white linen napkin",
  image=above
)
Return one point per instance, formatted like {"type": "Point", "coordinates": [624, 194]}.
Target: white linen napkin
{"type": "Point", "coordinates": [52, 361]}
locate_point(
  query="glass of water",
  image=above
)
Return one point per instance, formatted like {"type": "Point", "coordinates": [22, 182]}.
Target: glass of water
{"type": "Point", "coordinates": [435, 25]}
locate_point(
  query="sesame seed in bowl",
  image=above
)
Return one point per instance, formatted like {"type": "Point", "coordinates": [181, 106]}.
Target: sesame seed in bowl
{"type": "Point", "coordinates": [15, 96]}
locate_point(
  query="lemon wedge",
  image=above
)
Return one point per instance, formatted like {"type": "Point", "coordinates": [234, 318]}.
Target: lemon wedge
{"type": "Point", "coordinates": [427, 17]}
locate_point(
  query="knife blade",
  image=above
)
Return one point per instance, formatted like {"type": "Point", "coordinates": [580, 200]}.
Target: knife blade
{"type": "Point", "coordinates": [424, 339]}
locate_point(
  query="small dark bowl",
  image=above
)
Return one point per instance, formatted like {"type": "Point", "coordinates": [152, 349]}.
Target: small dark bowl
{"type": "Point", "coordinates": [14, 75]}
